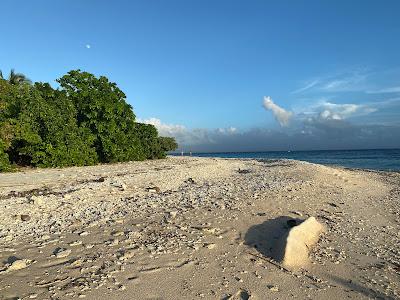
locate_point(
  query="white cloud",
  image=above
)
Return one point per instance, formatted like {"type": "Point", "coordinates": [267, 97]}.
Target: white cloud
{"type": "Point", "coordinates": [394, 89]}
{"type": "Point", "coordinates": [280, 114]}
{"type": "Point", "coordinates": [187, 137]}
{"type": "Point", "coordinates": [349, 81]}
{"type": "Point", "coordinates": [326, 110]}
{"type": "Point", "coordinates": [308, 86]}
{"type": "Point", "coordinates": [229, 130]}
{"type": "Point", "coordinates": [345, 83]}
{"type": "Point", "coordinates": [163, 128]}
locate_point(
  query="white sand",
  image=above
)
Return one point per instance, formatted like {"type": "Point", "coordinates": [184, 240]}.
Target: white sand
{"type": "Point", "coordinates": [189, 228]}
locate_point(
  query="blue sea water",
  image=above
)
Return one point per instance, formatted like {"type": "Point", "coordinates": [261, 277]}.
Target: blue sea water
{"type": "Point", "coordinates": [380, 159]}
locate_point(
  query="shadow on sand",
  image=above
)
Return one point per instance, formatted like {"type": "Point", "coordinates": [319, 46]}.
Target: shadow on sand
{"type": "Point", "coordinates": [264, 237]}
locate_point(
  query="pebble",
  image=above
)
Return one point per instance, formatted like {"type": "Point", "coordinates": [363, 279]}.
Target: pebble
{"type": "Point", "coordinates": [76, 264]}
{"type": "Point", "coordinates": [273, 288]}
{"type": "Point", "coordinates": [18, 265]}
{"type": "Point", "coordinates": [62, 252]}
{"type": "Point", "coordinates": [127, 255]}
{"type": "Point", "coordinates": [25, 218]}
{"type": "Point", "coordinates": [173, 213]}
{"type": "Point", "coordinates": [75, 243]}
{"type": "Point", "coordinates": [211, 246]}
{"type": "Point", "coordinates": [154, 189]}
{"type": "Point", "coordinates": [118, 233]}
{"type": "Point", "coordinates": [38, 200]}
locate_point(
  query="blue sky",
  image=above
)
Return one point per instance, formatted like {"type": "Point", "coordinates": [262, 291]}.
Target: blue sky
{"type": "Point", "coordinates": [199, 69]}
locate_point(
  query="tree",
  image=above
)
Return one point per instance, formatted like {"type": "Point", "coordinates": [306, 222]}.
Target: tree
{"type": "Point", "coordinates": [64, 143]}
{"type": "Point", "coordinates": [148, 135]}
{"type": "Point", "coordinates": [4, 161]}
{"type": "Point", "coordinates": [38, 127]}
{"type": "Point", "coordinates": [85, 121]}
{"type": "Point", "coordinates": [167, 143]}
{"type": "Point", "coordinates": [16, 78]}
{"type": "Point", "coordinates": [102, 108]}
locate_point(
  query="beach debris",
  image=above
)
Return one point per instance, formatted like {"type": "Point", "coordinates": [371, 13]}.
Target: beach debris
{"type": "Point", "coordinates": [210, 246]}
{"type": "Point", "coordinates": [298, 213]}
{"type": "Point", "coordinates": [62, 252]}
{"type": "Point", "coordinates": [18, 265]}
{"type": "Point", "coordinates": [67, 197]}
{"type": "Point", "coordinates": [76, 263]}
{"type": "Point", "coordinates": [37, 200]}
{"type": "Point", "coordinates": [273, 288]}
{"type": "Point", "coordinates": [172, 214]}
{"type": "Point", "coordinates": [25, 218]}
{"type": "Point", "coordinates": [244, 171]}
{"type": "Point", "coordinates": [15, 264]}
{"type": "Point", "coordinates": [75, 243]}
{"type": "Point", "coordinates": [292, 249]}
{"type": "Point", "coordinates": [100, 179]}
{"type": "Point", "coordinates": [118, 233]}
{"type": "Point", "coordinates": [153, 189]}
{"type": "Point", "coordinates": [190, 180]}
{"type": "Point", "coordinates": [128, 254]}
{"type": "Point", "coordinates": [119, 185]}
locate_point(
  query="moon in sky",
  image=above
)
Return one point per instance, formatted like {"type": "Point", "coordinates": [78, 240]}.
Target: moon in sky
{"type": "Point", "coordinates": [88, 46]}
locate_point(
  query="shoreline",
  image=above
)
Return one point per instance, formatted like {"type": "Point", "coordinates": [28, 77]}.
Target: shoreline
{"type": "Point", "coordinates": [151, 228]}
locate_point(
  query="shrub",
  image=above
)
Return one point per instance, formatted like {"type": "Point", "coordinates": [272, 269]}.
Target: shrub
{"type": "Point", "coordinates": [4, 162]}
{"type": "Point", "coordinates": [102, 108]}
{"type": "Point", "coordinates": [167, 143]}
{"type": "Point", "coordinates": [40, 129]}
{"type": "Point", "coordinates": [84, 122]}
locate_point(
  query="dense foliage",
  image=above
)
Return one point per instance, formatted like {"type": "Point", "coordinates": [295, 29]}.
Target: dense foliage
{"type": "Point", "coordinates": [86, 121]}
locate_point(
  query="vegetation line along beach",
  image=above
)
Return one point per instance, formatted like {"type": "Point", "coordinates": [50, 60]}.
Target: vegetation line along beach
{"type": "Point", "coordinates": [83, 122]}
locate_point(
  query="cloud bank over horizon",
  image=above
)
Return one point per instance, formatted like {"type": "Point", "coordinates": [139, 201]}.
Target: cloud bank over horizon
{"type": "Point", "coordinates": [322, 125]}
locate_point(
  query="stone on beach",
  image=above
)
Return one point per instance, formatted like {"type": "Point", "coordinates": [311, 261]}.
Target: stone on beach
{"type": "Point", "coordinates": [18, 265]}
{"type": "Point", "coordinates": [292, 249]}
{"type": "Point", "coordinates": [61, 252]}
{"type": "Point", "coordinates": [25, 218]}
{"type": "Point", "coordinates": [38, 200]}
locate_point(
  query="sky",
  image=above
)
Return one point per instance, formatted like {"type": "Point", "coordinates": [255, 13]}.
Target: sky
{"type": "Point", "coordinates": [227, 75]}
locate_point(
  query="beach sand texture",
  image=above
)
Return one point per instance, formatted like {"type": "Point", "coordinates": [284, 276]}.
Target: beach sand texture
{"type": "Point", "coordinates": [197, 228]}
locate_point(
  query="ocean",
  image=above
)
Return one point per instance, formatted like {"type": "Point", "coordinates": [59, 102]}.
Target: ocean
{"type": "Point", "coordinates": [374, 159]}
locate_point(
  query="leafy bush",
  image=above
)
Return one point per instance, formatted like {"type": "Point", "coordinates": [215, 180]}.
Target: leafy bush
{"type": "Point", "coordinates": [167, 143]}
{"type": "Point", "coordinates": [4, 162]}
{"type": "Point", "coordinates": [40, 128]}
{"type": "Point", "coordinates": [102, 108]}
{"type": "Point", "coordinates": [149, 141]}
{"type": "Point", "coordinates": [84, 122]}
{"type": "Point", "coordinates": [64, 143]}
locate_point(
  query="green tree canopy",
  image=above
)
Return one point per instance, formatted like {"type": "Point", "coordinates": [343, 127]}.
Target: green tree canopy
{"type": "Point", "coordinates": [38, 127]}
{"type": "Point", "coordinates": [102, 107]}
{"type": "Point", "coordinates": [87, 120]}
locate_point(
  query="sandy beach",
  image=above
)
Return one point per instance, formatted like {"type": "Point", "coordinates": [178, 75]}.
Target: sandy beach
{"type": "Point", "coordinates": [197, 228]}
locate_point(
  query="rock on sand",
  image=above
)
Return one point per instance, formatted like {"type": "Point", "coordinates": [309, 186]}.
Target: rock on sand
{"type": "Point", "coordinates": [292, 249]}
